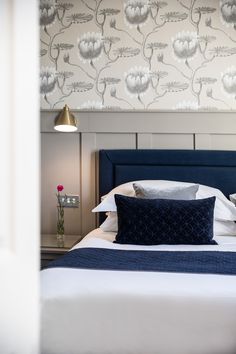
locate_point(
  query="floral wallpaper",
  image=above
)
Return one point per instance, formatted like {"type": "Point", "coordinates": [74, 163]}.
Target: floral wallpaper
{"type": "Point", "coordinates": [138, 54]}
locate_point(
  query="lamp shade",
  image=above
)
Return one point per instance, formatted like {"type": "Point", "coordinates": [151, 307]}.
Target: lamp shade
{"type": "Point", "coordinates": [66, 121]}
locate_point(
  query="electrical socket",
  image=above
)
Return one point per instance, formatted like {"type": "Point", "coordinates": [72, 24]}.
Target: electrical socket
{"type": "Point", "coordinates": [69, 201]}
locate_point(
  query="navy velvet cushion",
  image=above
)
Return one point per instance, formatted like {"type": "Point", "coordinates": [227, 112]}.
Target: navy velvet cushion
{"type": "Point", "coordinates": [164, 221]}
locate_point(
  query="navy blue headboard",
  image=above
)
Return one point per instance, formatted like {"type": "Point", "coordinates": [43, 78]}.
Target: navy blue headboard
{"type": "Point", "coordinates": [213, 168]}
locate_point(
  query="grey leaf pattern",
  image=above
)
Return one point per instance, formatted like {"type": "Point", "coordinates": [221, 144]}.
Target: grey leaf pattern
{"type": "Point", "coordinates": [80, 86]}
{"type": "Point", "coordinates": [205, 80]}
{"type": "Point", "coordinates": [222, 51]}
{"type": "Point", "coordinates": [109, 12]}
{"type": "Point", "coordinates": [63, 46]}
{"type": "Point", "coordinates": [174, 86]}
{"type": "Point", "coordinates": [64, 6]}
{"type": "Point", "coordinates": [204, 10]}
{"type": "Point", "coordinates": [174, 16]}
{"type": "Point", "coordinates": [79, 18]}
{"type": "Point", "coordinates": [156, 45]}
{"type": "Point", "coordinates": [126, 52]}
{"type": "Point", "coordinates": [109, 81]}
{"type": "Point", "coordinates": [138, 54]}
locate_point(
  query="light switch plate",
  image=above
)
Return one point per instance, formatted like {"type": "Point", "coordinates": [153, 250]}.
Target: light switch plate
{"type": "Point", "coordinates": [69, 201]}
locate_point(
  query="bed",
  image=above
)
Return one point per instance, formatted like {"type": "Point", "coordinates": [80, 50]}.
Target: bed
{"type": "Point", "coordinates": [99, 311]}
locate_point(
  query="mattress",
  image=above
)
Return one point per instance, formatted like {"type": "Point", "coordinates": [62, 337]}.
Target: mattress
{"type": "Point", "coordinates": [117, 312]}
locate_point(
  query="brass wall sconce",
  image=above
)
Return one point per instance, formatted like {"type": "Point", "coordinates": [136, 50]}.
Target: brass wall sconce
{"type": "Point", "coordinates": [66, 121]}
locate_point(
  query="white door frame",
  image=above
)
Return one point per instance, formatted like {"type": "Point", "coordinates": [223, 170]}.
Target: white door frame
{"type": "Point", "coordinates": [19, 177]}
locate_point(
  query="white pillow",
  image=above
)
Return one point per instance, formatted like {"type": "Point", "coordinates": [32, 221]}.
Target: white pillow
{"type": "Point", "coordinates": [108, 201]}
{"type": "Point", "coordinates": [224, 209]}
{"type": "Point", "coordinates": [172, 192]}
{"type": "Point", "coordinates": [221, 228]}
{"type": "Point", "coordinates": [111, 222]}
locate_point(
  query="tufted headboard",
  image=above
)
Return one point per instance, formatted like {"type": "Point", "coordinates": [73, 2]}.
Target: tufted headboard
{"type": "Point", "coordinates": [213, 168]}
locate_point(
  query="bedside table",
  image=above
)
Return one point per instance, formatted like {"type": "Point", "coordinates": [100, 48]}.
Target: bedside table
{"type": "Point", "coordinates": [49, 249]}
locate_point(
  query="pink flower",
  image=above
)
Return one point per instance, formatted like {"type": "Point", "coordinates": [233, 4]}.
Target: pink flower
{"type": "Point", "coordinates": [60, 214]}
{"type": "Point", "coordinates": [60, 188]}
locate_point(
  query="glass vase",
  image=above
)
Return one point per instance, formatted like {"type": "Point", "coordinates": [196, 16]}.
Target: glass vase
{"type": "Point", "coordinates": [60, 240]}
{"type": "Point", "coordinates": [60, 227]}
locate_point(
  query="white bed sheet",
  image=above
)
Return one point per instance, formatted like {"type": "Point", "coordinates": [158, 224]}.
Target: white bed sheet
{"type": "Point", "coordinates": [117, 312]}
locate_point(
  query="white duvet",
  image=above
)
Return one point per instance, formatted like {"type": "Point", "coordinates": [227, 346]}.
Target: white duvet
{"type": "Point", "coordinates": [117, 312]}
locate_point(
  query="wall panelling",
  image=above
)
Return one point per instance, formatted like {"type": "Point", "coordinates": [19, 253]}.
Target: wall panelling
{"type": "Point", "coordinates": [72, 159]}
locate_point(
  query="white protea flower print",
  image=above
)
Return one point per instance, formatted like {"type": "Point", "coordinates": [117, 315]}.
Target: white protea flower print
{"type": "Point", "coordinates": [186, 106]}
{"type": "Point", "coordinates": [48, 79]}
{"type": "Point", "coordinates": [229, 81]}
{"type": "Point", "coordinates": [136, 12]}
{"type": "Point", "coordinates": [185, 45]}
{"type": "Point", "coordinates": [91, 105]}
{"type": "Point", "coordinates": [90, 46]}
{"type": "Point", "coordinates": [228, 12]}
{"type": "Point", "coordinates": [137, 81]}
{"type": "Point", "coordinates": [47, 12]}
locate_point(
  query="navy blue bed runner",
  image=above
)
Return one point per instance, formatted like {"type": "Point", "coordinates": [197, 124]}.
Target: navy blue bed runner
{"type": "Point", "coordinates": [202, 262]}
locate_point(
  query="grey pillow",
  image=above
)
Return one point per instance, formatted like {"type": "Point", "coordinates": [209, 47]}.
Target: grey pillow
{"type": "Point", "coordinates": [176, 193]}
